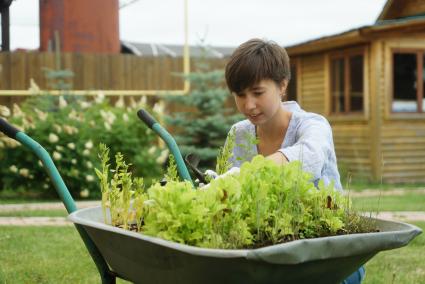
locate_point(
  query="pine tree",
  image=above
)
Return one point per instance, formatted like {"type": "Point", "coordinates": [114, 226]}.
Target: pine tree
{"type": "Point", "coordinates": [202, 125]}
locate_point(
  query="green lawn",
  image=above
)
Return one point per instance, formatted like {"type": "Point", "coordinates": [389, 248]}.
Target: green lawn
{"type": "Point", "coordinates": [45, 255]}
{"type": "Point", "coordinates": [359, 186]}
{"type": "Point", "coordinates": [407, 202]}
{"type": "Point", "coordinates": [399, 266]}
{"type": "Point", "coordinates": [57, 255]}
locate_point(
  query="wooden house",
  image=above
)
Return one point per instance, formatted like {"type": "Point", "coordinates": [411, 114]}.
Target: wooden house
{"type": "Point", "coordinates": [369, 82]}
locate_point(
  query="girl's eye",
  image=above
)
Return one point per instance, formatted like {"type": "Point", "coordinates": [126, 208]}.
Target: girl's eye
{"type": "Point", "coordinates": [258, 93]}
{"type": "Point", "coordinates": [240, 95]}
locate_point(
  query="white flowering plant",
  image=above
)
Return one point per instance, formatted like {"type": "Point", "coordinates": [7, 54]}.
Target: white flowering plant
{"type": "Point", "coordinates": [70, 128]}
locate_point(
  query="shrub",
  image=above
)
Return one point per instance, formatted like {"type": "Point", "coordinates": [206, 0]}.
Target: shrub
{"type": "Point", "coordinates": [70, 128]}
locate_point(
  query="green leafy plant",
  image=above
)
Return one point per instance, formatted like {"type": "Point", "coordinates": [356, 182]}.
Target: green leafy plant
{"type": "Point", "coordinates": [265, 204]}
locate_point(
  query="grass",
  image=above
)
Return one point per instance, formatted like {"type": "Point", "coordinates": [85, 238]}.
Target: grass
{"type": "Point", "coordinates": [45, 255]}
{"type": "Point", "coordinates": [359, 186]}
{"type": "Point", "coordinates": [57, 255]}
{"type": "Point", "coordinates": [406, 202]}
{"type": "Point", "coordinates": [401, 266]}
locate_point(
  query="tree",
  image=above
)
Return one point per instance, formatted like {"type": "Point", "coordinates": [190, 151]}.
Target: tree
{"type": "Point", "coordinates": [202, 121]}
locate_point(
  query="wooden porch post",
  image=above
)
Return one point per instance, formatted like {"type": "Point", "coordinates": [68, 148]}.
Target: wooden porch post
{"type": "Point", "coordinates": [376, 83]}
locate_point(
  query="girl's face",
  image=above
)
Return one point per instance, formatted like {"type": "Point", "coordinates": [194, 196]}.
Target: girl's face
{"type": "Point", "coordinates": [261, 102]}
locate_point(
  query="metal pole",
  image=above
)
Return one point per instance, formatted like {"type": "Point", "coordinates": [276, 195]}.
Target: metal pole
{"type": "Point", "coordinates": [5, 36]}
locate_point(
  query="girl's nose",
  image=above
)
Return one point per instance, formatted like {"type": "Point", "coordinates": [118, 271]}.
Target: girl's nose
{"type": "Point", "coordinates": [250, 103]}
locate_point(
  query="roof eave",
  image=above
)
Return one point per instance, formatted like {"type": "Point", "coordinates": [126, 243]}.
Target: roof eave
{"type": "Point", "coordinates": [353, 37]}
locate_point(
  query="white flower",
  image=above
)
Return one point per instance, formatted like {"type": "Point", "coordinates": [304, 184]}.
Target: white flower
{"type": "Point", "coordinates": [74, 161]}
{"type": "Point", "coordinates": [100, 97]}
{"type": "Point", "coordinates": [57, 156]}
{"type": "Point", "coordinates": [89, 144]}
{"type": "Point", "coordinates": [26, 123]}
{"type": "Point", "coordinates": [41, 114]}
{"type": "Point", "coordinates": [73, 115]}
{"type": "Point", "coordinates": [71, 146]}
{"type": "Point", "coordinates": [45, 186]}
{"type": "Point", "coordinates": [4, 111]}
{"type": "Point", "coordinates": [57, 128]}
{"type": "Point", "coordinates": [84, 193]}
{"type": "Point", "coordinates": [142, 101]}
{"type": "Point", "coordinates": [125, 117]}
{"type": "Point", "coordinates": [70, 129]}
{"type": "Point", "coordinates": [17, 112]}
{"type": "Point", "coordinates": [53, 138]}
{"type": "Point", "coordinates": [59, 148]}
{"type": "Point", "coordinates": [10, 143]}
{"type": "Point", "coordinates": [24, 172]}
{"type": "Point", "coordinates": [120, 102]}
{"type": "Point", "coordinates": [132, 103]}
{"type": "Point", "coordinates": [34, 88]}
{"type": "Point", "coordinates": [40, 163]}
{"type": "Point", "coordinates": [31, 177]}
{"type": "Point", "coordinates": [85, 104]}
{"type": "Point", "coordinates": [89, 165]}
{"type": "Point", "coordinates": [152, 150]}
{"type": "Point", "coordinates": [62, 102]}
{"type": "Point", "coordinates": [162, 157]}
{"type": "Point", "coordinates": [159, 107]}
{"type": "Point", "coordinates": [13, 169]}
{"type": "Point", "coordinates": [89, 178]}
{"type": "Point", "coordinates": [86, 152]}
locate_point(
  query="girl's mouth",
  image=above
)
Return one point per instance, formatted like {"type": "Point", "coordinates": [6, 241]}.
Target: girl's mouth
{"type": "Point", "coordinates": [254, 116]}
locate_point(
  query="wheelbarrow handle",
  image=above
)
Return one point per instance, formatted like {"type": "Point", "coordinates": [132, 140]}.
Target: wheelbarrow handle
{"type": "Point", "coordinates": [169, 140]}
{"type": "Point", "coordinates": [8, 129]}
{"type": "Point", "coordinates": [145, 116]}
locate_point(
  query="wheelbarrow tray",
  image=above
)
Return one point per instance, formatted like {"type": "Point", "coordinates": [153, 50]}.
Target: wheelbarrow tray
{"type": "Point", "coordinates": [144, 259]}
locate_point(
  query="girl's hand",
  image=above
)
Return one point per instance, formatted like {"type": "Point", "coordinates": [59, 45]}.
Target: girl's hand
{"type": "Point", "coordinates": [278, 158]}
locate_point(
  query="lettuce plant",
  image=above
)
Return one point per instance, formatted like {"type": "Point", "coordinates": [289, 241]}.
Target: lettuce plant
{"type": "Point", "coordinates": [265, 204]}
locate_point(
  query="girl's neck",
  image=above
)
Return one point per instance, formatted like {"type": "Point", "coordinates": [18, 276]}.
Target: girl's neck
{"type": "Point", "coordinates": [276, 127]}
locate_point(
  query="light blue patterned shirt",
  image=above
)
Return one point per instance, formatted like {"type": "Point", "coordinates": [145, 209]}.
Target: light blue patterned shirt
{"type": "Point", "coordinates": [308, 139]}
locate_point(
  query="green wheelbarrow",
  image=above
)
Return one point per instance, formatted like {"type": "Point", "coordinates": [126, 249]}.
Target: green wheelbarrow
{"type": "Point", "coordinates": [144, 259]}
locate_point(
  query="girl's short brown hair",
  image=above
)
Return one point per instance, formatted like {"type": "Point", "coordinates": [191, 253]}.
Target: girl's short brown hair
{"type": "Point", "coordinates": [254, 61]}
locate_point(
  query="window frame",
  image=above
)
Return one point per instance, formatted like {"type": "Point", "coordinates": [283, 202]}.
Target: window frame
{"type": "Point", "coordinates": [420, 53]}
{"type": "Point", "coordinates": [346, 54]}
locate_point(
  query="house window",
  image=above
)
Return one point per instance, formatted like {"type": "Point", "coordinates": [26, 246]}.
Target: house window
{"type": "Point", "coordinates": [291, 94]}
{"type": "Point", "coordinates": [347, 87]}
{"type": "Point", "coordinates": [408, 82]}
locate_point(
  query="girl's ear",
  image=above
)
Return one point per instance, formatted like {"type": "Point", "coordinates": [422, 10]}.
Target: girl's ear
{"type": "Point", "coordinates": [283, 87]}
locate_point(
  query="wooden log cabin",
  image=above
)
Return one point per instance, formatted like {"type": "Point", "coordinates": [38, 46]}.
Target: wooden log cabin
{"type": "Point", "coordinates": [369, 82]}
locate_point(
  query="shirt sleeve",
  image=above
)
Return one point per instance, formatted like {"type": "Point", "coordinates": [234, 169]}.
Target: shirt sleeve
{"type": "Point", "coordinates": [313, 142]}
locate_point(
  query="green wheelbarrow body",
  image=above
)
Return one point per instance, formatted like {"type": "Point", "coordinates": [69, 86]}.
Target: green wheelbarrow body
{"type": "Point", "coordinates": [144, 259]}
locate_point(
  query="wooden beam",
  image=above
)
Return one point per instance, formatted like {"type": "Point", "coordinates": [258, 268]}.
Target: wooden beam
{"type": "Point", "coordinates": [376, 64]}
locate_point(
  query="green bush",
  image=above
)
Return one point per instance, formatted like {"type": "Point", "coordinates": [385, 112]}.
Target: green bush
{"type": "Point", "coordinates": [70, 128]}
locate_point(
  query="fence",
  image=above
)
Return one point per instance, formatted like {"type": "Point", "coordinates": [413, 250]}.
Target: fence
{"type": "Point", "coordinates": [92, 71]}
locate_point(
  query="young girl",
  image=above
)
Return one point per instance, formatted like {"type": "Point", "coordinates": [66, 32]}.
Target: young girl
{"type": "Point", "coordinates": [257, 75]}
